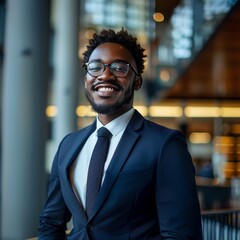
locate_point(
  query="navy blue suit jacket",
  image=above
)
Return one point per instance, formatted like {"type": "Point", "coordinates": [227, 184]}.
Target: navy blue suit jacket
{"type": "Point", "coordinates": [149, 191]}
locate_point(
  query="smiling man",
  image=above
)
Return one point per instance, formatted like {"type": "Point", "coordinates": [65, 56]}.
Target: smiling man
{"type": "Point", "coordinates": [135, 182]}
{"type": "Point", "coordinates": [111, 80]}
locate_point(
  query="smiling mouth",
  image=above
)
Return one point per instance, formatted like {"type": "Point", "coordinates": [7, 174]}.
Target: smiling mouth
{"type": "Point", "coordinates": [106, 88]}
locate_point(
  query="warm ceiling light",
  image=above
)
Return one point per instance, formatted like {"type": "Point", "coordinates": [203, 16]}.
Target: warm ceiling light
{"type": "Point", "coordinates": [200, 137]}
{"type": "Point", "coordinates": [51, 111]}
{"type": "Point", "coordinates": [165, 75]}
{"type": "Point", "coordinates": [191, 111]}
{"type": "Point", "coordinates": [158, 17]}
{"type": "Point", "coordinates": [165, 111]}
{"type": "Point", "coordinates": [85, 111]}
{"type": "Point", "coordinates": [199, 111]}
{"type": "Point", "coordinates": [230, 112]}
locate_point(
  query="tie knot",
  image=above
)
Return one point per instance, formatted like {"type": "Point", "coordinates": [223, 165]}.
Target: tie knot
{"type": "Point", "coordinates": [104, 132]}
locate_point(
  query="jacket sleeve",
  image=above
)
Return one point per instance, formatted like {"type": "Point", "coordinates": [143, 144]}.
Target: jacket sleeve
{"type": "Point", "coordinates": [55, 214]}
{"type": "Point", "coordinates": [176, 192]}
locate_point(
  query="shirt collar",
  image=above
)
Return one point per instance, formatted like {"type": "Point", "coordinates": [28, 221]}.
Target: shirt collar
{"type": "Point", "coordinates": [118, 124]}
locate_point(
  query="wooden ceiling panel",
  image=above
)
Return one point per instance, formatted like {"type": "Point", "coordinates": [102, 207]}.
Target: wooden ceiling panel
{"type": "Point", "coordinates": [215, 73]}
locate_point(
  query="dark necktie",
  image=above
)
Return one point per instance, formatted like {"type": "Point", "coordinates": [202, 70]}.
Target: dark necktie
{"type": "Point", "coordinates": [95, 170]}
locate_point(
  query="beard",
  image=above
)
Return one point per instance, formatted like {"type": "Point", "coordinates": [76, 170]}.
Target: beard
{"type": "Point", "coordinates": [111, 109]}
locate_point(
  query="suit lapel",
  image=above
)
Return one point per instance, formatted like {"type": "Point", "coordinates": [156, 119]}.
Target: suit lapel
{"type": "Point", "coordinates": [125, 146]}
{"type": "Point", "coordinates": [75, 144]}
{"type": "Point", "coordinates": [69, 155]}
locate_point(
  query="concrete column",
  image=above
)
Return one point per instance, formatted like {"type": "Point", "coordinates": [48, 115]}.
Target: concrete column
{"type": "Point", "coordinates": [66, 66]}
{"type": "Point", "coordinates": [23, 117]}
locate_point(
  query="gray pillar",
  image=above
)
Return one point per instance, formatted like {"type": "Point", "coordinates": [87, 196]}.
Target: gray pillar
{"type": "Point", "coordinates": [66, 65]}
{"type": "Point", "coordinates": [23, 117]}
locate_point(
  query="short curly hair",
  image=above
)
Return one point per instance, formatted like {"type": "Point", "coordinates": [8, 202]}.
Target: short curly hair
{"type": "Point", "coordinates": [121, 37]}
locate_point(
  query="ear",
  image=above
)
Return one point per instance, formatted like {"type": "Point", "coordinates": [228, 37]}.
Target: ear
{"type": "Point", "coordinates": [138, 82]}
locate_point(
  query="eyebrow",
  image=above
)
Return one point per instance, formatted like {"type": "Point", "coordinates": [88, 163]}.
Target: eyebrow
{"type": "Point", "coordinates": [115, 60]}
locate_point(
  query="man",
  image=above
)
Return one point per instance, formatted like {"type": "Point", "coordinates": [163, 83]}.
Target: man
{"type": "Point", "coordinates": [148, 188]}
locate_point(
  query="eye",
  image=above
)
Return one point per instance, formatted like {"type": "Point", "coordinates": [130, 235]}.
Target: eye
{"type": "Point", "coordinates": [119, 67]}
{"type": "Point", "coordinates": [95, 66]}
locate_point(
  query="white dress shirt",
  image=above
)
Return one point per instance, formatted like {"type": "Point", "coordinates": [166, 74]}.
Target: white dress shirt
{"type": "Point", "coordinates": [79, 169]}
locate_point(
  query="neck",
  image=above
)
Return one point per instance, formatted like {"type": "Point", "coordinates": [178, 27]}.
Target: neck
{"type": "Point", "coordinates": [107, 118]}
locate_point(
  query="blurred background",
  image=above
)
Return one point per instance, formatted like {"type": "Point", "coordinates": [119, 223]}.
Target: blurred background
{"type": "Point", "coordinates": [191, 83]}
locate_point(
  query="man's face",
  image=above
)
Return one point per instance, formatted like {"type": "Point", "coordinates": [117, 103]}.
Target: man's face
{"type": "Point", "coordinates": [107, 93]}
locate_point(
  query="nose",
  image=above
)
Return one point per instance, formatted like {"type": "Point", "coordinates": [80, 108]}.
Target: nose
{"type": "Point", "coordinates": [107, 73]}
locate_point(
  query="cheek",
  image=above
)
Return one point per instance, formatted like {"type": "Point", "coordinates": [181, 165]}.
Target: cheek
{"type": "Point", "coordinates": [87, 82]}
{"type": "Point", "coordinates": [131, 84]}
{"type": "Point", "coordinates": [127, 83]}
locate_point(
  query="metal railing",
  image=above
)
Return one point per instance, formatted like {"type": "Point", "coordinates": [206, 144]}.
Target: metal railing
{"type": "Point", "coordinates": [221, 224]}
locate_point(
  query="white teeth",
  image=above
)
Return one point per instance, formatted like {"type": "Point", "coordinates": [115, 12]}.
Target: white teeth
{"type": "Point", "coordinates": [105, 89]}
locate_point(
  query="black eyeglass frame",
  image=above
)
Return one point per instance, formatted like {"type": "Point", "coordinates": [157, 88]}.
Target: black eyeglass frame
{"type": "Point", "coordinates": [105, 65]}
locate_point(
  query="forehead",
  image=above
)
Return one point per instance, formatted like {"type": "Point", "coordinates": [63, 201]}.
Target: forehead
{"type": "Point", "coordinates": [108, 52]}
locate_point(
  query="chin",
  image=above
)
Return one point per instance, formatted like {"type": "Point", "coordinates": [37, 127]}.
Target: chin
{"type": "Point", "coordinates": [111, 108]}
{"type": "Point", "coordinates": [105, 109]}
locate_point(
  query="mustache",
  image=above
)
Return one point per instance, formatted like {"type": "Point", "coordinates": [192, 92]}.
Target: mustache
{"type": "Point", "coordinates": [110, 82]}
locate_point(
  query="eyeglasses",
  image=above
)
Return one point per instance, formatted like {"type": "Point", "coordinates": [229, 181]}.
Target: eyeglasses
{"type": "Point", "coordinates": [119, 69]}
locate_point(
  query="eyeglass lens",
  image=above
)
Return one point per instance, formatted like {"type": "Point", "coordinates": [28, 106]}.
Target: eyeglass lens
{"type": "Point", "coordinates": [118, 69]}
